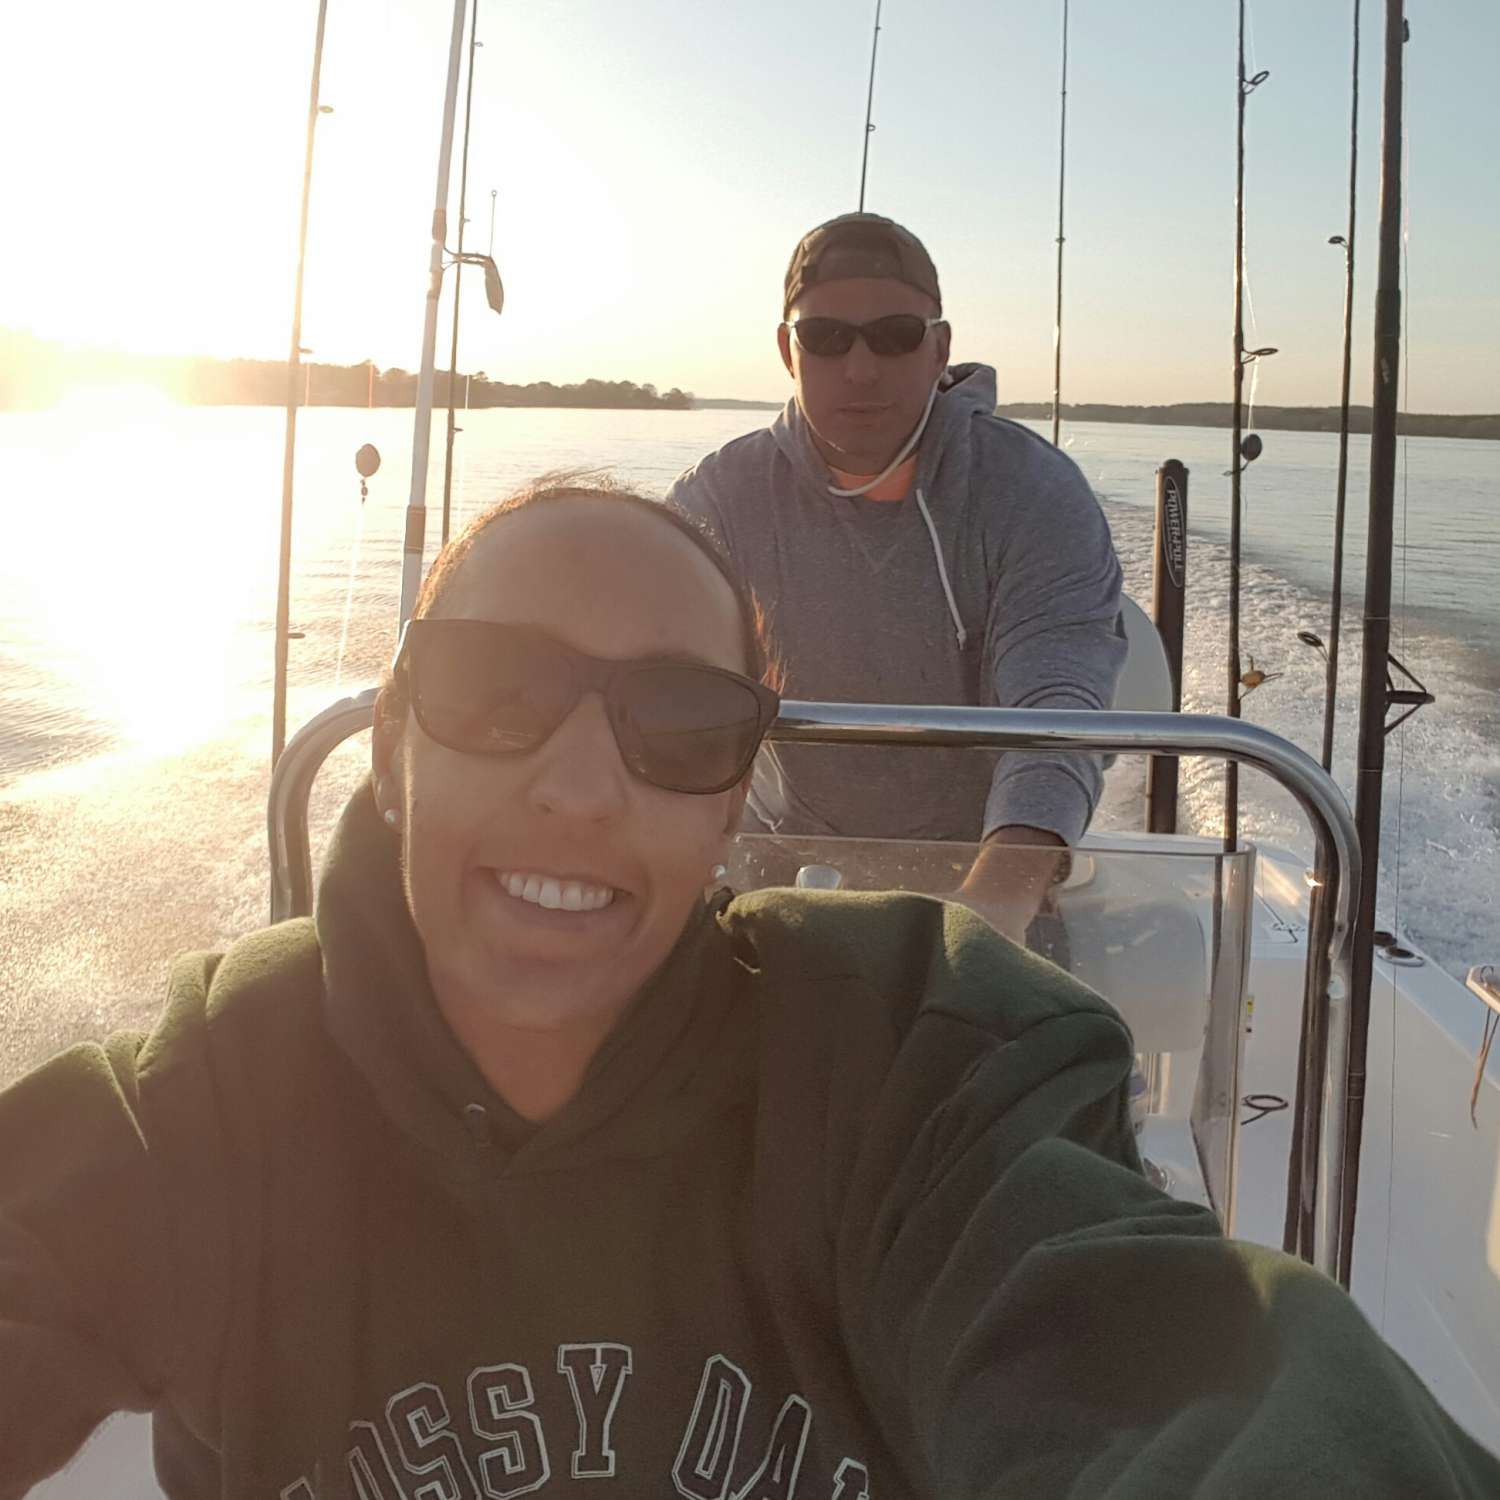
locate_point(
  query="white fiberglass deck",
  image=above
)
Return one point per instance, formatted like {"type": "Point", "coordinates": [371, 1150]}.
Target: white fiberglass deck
{"type": "Point", "coordinates": [1426, 1268]}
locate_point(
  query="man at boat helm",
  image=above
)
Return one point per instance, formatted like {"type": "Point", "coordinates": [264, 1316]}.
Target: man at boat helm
{"type": "Point", "coordinates": [912, 547]}
{"type": "Point", "coordinates": [525, 1168]}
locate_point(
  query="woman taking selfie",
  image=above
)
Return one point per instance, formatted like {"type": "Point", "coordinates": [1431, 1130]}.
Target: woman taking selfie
{"type": "Point", "coordinates": [524, 1167]}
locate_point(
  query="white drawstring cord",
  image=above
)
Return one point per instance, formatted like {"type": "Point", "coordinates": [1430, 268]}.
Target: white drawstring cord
{"type": "Point", "coordinates": [937, 551]}
{"type": "Point", "coordinates": [942, 567]}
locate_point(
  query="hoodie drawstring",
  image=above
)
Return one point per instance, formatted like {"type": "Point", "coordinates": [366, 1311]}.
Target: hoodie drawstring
{"type": "Point", "coordinates": [903, 453]}
{"type": "Point", "coordinates": [942, 567]}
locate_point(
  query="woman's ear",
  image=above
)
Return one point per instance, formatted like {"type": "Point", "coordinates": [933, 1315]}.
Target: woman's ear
{"type": "Point", "coordinates": [720, 852]}
{"type": "Point", "coordinates": [385, 746]}
{"type": "Point", "coordinates": [736, 809]}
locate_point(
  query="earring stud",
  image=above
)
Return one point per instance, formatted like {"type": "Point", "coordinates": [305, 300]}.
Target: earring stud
{"type": "Point", "coordinates": [392, 817]}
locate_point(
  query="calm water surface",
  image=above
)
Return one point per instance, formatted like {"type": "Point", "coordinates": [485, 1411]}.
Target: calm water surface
{"type": "Point", "coordinates": [137, 594]}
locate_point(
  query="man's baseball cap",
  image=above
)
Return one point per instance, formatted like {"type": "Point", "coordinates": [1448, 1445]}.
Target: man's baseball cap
{"type": "Point", "coordinates": [860, 245]}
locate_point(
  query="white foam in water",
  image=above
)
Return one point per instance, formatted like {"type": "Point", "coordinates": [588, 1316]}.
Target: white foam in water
{"type": "Point", "coordinates": [1440, 830]}
{"type": "Point", "coordinates": [134, 714]}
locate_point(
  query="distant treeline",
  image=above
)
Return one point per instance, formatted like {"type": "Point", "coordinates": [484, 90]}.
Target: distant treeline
{"type": "Point", "coordinates": [34, 374]}
{"type": "Point", "coordinates": [1267, 418]}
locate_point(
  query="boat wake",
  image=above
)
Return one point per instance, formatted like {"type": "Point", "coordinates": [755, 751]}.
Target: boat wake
{"type": "Point", "coordinates": [1441, 813]}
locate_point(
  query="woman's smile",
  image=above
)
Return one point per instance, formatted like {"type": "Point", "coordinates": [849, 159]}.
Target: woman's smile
{"type": "Point", "coordinates": [555, 894]}
{"type": "Point", "coordinates": [568, 914]}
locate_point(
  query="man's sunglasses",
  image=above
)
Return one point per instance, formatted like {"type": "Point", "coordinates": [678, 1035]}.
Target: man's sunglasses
{"type": "Point", "coordinates": [489, 689]}
{"type": "Point", "coordinates": [896, 333]}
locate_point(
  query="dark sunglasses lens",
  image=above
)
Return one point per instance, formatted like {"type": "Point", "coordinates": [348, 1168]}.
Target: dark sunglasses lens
{"type": "Point", "coordinates": [483, 689]}
{"type": "Point", "coordinates": [825, 336]}
{"type": "Point", "coordinates": [900, 333]}
{"type": "Point", "coordinates": [687, 729]}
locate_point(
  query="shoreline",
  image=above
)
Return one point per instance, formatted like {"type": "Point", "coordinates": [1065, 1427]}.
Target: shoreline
{"type": "Point", "coordinates": [1220, 414]}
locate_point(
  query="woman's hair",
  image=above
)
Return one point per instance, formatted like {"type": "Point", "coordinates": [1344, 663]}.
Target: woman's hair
{"type": "Point", "coordinates": [583, 484]}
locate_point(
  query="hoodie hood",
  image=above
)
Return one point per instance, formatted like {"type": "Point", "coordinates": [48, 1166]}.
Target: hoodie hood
{"type": "Point", "coordinates": [964, 392]}
{"type": "Point", "coordinates": [657, 1076]}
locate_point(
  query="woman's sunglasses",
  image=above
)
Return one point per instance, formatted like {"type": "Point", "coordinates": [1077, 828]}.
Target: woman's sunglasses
{"type": "Point", "coordinates": [489, 689]}
{"type": "Point", "coordinates": [896, 333]}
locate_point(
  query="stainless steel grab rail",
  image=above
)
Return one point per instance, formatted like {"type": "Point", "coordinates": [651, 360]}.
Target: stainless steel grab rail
{"type": "Point", "coordinates": [1222, 738]}
{"type": "Point", "coordinates": [291, 785]}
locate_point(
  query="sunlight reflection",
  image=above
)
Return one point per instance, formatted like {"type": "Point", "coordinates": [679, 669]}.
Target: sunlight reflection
{"type": "Point", "coordinates": [141, 552]}
{"type": "Point", "coordinates": [112, 403]}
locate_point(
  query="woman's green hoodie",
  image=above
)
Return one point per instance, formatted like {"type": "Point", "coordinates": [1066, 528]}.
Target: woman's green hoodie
{"type": "Point", "coordinates": [848, 1208]}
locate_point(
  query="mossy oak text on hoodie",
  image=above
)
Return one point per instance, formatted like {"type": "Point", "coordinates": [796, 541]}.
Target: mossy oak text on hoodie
{"type": "Point", "coordinates": [421, 1452]}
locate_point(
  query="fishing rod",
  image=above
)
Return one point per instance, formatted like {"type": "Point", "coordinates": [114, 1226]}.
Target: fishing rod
{"type": "Point", "coordinates": [458, 271]}
{"type": "Point", "coordinates": [293, 391]}
{"type": "Point", "coordinates": [1245, 86]}
{"type": "Point", "coordinates": [1375, 694]}
{"type": "Point", "coordinates": [1304, 1161]}
{"type": "Point", "coordinates": [416, 506]}
{"type": "Point", "coordinates": [1300, 1229]}
{"type": "Point", "coordinates": [1346, 239]}
{"type": "Point", "coordinates": [1062, 167]}
{"type": "Point", "coordinates": [869, 109]}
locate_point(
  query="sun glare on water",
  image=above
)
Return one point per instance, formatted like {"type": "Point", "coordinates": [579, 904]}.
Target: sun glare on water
{"type": "Point", "coordinates": [142, 550]}
{"type": "Point", "coordinates": [114, 404]}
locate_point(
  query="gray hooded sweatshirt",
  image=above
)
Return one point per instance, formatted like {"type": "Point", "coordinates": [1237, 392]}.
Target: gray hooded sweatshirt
{"type": "Point", "coordinates": [857, 596]}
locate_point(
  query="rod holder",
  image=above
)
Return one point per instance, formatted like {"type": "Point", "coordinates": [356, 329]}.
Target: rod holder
{"type": "Point", "coordinates": [1168, 607]}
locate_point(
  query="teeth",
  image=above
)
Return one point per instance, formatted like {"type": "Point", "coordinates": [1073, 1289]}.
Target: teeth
{"type": "Point", "coordinates": [552, 894]}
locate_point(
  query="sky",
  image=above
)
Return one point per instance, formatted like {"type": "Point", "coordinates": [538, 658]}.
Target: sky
{"type": "Point", "coordinates": [652, 164]}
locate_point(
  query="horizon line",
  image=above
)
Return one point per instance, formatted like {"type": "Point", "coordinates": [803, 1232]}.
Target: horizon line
{"type": "Point", "coordinates": [78, 350]}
